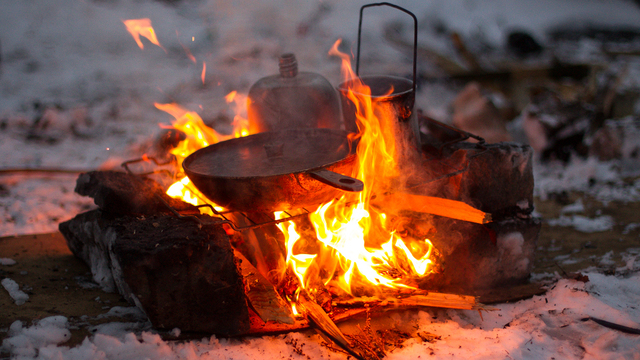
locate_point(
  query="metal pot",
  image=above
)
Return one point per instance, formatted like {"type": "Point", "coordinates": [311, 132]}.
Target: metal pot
{"type": "Point", "coordinates": [270, 171]}
{"type": "Point", "coordinates": [394, 96]}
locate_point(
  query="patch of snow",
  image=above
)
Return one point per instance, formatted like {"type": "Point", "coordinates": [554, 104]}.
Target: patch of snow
{"type": "Point", "coordinates": [607, 259]}
{"type": "Point", "coordinates": [19, 296]}
{"type": "Point", "coordinates": [583, 223]}
{"type": "Point", "coordinates": [29, 342]}
{"type": "Point", "coordinates": [601, 180]}
{"type": "Point", "coordinates": [631, 227]}
{"type": "Point", "coordinates": [576, 207]}
{"type": "Point", "coordinates": [7, 261]}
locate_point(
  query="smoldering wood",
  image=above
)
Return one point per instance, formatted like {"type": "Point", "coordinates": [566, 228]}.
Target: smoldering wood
{"type": "Point", "coordinates": [124, 194]}
{"type": "Point", "coordinates": [180, 274]}
{"type": "Point", "coordinates": [495, 179]}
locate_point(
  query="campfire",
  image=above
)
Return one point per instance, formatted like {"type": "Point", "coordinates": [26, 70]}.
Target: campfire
{"type": "Point", "coordinates": [264, 232]}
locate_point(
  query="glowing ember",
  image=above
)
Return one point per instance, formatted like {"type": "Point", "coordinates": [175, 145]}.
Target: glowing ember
{"type": "Point", "coordinates": [142, 27]}
{"type": "Point", "coordinates": [186, 50]}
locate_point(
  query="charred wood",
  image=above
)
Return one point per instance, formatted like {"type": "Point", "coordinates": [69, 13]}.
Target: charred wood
{"type": "Point", "coordinates": [124, 194]}
{"type": "Point", "coordinates": [180, 274]}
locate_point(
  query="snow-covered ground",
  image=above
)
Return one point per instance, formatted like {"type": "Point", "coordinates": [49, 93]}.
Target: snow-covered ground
{"type": "Point", "coordinates": [77, 93]}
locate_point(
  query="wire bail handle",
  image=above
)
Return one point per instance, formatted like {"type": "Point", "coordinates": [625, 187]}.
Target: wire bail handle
{"type": "Point", "coordinates": [415, 36]}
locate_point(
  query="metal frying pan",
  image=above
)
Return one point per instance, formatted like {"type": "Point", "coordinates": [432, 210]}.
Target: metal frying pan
{"type": "Point", "coordinates": [273, 171]}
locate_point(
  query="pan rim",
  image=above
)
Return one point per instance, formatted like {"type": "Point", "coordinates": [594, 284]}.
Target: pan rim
{"type": "Point", "coordinates": [213, 147]}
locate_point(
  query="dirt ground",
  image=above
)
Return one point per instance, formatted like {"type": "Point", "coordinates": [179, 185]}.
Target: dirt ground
{"type": "Point", "coordinates": [60, 284]}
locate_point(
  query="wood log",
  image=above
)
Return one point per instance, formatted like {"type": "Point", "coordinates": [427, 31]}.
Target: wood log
{"type": "Point", "coordinates": [124, 194]}
{"type": "Point", "coordinates": [182, 274]}
{"type": "Point", "coordinates": [432, 205]}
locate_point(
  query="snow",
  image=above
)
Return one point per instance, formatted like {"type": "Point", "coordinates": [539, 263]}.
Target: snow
{"type": "Point", "coordinates": [27, 342]}
{"type": "Point", "coordinates": [583, 223]}
{"type": "Point", "coordinates": [7, 261]}
{"type": "Point", "coordinates": [73, 66]}
{"type": "Point", "coordinates": [553, 325]}
{"type": "Point", "coordinates": [19, 296]}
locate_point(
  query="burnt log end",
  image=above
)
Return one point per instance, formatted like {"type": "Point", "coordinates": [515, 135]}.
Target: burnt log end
{"type": "Point", "coordinates": [125, 194]}
{"type": "Point", "coordinates": [181, 274]}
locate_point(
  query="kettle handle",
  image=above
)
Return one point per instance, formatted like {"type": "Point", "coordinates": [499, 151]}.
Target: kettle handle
{"type": "Point", "coordinates": [415, 37]}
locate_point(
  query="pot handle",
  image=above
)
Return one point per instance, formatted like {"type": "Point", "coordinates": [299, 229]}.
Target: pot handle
{"type": "Point", "coordinates": [336, 180]}
{"type": "Point", "coordinates": [415, 37]}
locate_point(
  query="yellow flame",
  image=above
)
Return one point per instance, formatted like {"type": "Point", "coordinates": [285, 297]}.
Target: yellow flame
{"type": "Point", "coordinates": [142, 27]}
{"type": "Point", "coordinates": [230, 96]}
{"type": "Point", "coordinates": [240, 120]}
{"type": "Point", "coordinates": [364, 247]}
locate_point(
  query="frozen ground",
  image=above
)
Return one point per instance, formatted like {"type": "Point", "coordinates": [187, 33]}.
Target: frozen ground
{"type": "Point", "coordinates": [77, 93]}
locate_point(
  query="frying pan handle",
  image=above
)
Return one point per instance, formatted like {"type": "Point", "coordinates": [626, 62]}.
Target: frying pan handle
{"type": "Point", "coordinates": [336, 180]}
{"type": "Point", "coordinates": [415, 37]}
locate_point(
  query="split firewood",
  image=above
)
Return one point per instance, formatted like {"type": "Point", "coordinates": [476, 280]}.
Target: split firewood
{"type": "Point", "coordinates": [323, 323]}
{"type": "Point", "coordinates": [430, 299]}
{"type": "Point", "coordinates": [433, 205]}
{"type": "Point", "coordinates": [263, 297]}
{"type": "Point", "coordinates": [180, 274]}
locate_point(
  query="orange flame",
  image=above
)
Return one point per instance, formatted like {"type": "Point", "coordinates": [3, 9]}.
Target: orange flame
{"type": "Point", "coordinates": [356, 247]}
{"type": "Point", "coordinates": [198, 135]}
{"type": "Point", "coordinates": [142, 27]}
{"type": "Point", "coordinates": [359, 244]}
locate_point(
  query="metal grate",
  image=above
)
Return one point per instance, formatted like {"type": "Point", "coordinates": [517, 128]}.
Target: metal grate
{"type": "Point", "coordinates": [254, 221]}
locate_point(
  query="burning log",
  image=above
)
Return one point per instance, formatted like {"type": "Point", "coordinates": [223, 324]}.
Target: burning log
{"type": "Point", "coordinates": [452, 209]}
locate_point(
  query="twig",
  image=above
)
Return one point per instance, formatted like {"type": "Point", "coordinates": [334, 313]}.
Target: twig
{"type": "Point", "coordinates": [614, 326]}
